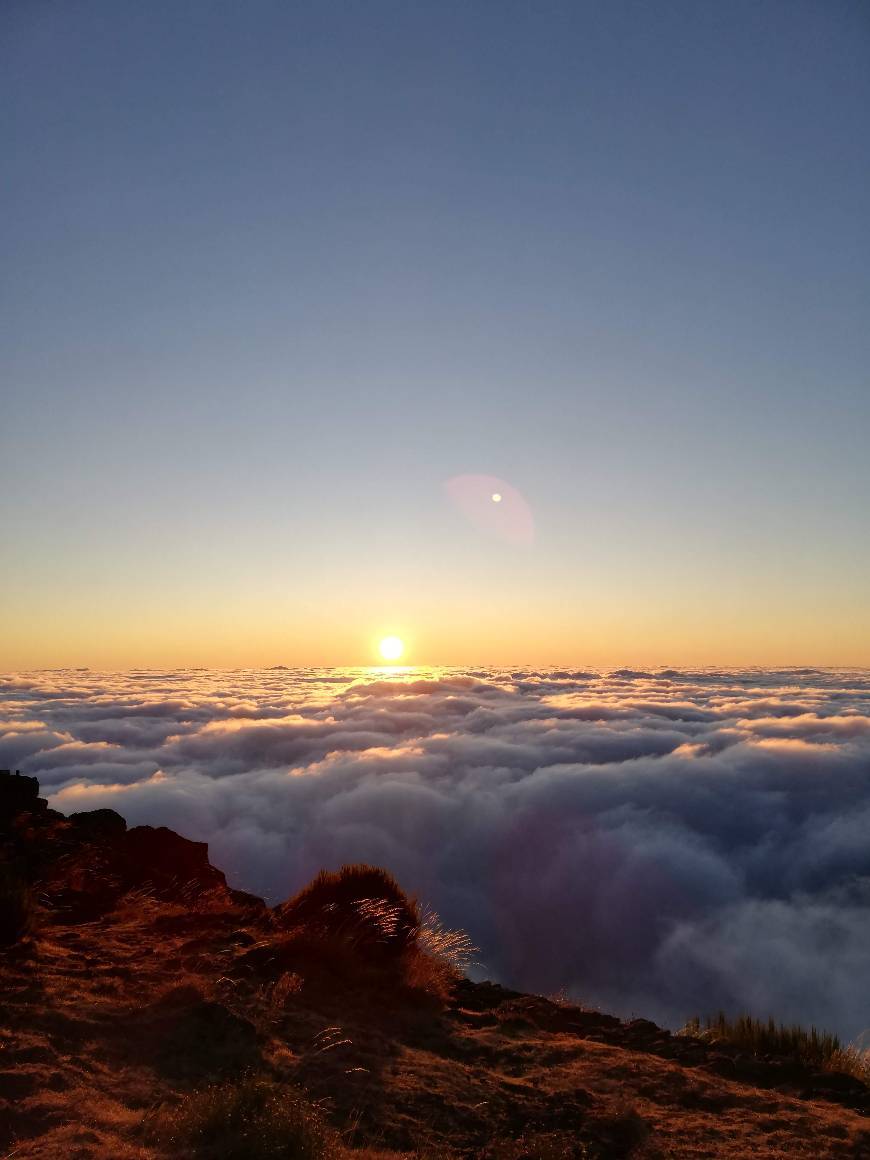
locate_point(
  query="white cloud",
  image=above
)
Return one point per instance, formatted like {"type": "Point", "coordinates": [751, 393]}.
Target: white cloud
{"type": "Point", "coordinates": [660, 843]}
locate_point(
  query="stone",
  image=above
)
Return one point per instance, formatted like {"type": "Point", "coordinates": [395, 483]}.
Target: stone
{"type": "Point", "coordinates": [18, 794]}
{"type": "Point", "coordinates": [93, 825]}
{"type": "Point", "coordinates": [172, 866]}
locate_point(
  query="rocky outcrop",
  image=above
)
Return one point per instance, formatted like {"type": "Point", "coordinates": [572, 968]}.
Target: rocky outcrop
{"type": "Point", "coordinates": [17, 793]}
{"type": "Point", "coordinates": [83, 864]}
{"type": "Point", "coordinates": [97, 825]}
{"type": "Point", "coordinates": [163, 861]}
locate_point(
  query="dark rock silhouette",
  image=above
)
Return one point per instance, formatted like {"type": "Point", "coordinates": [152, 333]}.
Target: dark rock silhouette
{"type": "Point", "coordinates": [98, 824]}
{"type": "Point", "coordinates": [18, 794]}
{"type": "Point", "coordinates": [86, 862]}
{"type": "Point", "coordinates": [167, 863]}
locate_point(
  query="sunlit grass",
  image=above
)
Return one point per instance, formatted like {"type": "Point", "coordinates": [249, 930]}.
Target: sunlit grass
{"type": "Point", "coordinates": [817, 1049]}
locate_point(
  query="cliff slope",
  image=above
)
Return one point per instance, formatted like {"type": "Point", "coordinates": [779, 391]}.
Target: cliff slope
{"type": "Point", "coordinates": [148, 1010]}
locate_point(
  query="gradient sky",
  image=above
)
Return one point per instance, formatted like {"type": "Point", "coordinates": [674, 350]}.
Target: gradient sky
{"type": "Point", "coordinates": [273, 273]}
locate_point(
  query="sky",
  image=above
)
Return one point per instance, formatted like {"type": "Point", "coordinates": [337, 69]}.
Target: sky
{"type": "Point", "coordinates": [290, 290]}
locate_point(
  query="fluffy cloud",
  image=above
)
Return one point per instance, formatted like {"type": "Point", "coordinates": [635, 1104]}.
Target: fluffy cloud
{"type": "Point", "coordinates": [660, 843]}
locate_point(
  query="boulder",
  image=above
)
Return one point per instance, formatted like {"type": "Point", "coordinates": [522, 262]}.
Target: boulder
{"type": "Point", "coordinates": [86, 902]}
{"type": "Point", "coordinates": [157, 858]}
{"type": "Point", "coordinates": [190, 1037]}
{"type": "Point", "coordinates": [837, 1082]}
{"type": "Point", "coordinates": [247, 901]}
{"type": "Point", "coordinates": [97, 825]}
{"type": "Point", "coordinates": [18, 794]}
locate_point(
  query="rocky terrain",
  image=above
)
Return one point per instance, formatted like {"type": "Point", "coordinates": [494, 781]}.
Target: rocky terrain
{"type": "Point", "coordinates": [143, 1003]}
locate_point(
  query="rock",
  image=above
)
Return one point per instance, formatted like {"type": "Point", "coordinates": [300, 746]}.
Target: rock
{"type": "Point", "coordinates": [722, 1065]}
{"type": "Point", "coordinates": [839, 1082]}
{"type": "Point", "coordinates": [163, 861]}
{"type": "Point", "coordinates": [483, 996]}
{"type": "Point", "coordinates": [751, 1070]}
{"type": "Point", "coordinates": [644, 1035]}
{"type": "Point", "coordinates": [623, 1133]}
{"type": "Point", "coordinates": [85, 903]}
{"type": "Point", "coordinates": [247, 901]}
{"type": "Point", "coordinates": [93, 825]}
{"type": "Point", "coordinates": [18, 794]}
{"type": "Point", "coordinates": [191, 1037]}
{"type": "Point", "coordinates": [787, 1072]}
{"type": "Point", "coordinates": [551, 1016]}
{"type": "Point", "coordinates": [581, 1022]}
{"type": "Point", "coordinates": [643, 1027]}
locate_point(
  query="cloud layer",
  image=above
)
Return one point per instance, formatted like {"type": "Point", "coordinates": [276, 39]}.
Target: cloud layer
{"type": "Point", "coordinates": [659, 843]}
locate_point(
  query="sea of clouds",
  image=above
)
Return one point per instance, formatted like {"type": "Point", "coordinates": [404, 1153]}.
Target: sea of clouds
{"type": "Point", "coordinates": [654, 843]}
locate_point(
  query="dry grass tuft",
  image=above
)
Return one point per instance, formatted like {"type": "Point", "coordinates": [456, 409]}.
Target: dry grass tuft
{"type": "Point", "coordinates": [253, 1119]}
{"type": "Point", "coordinates": [437, 958]}
{"type": "Point", "coordinates": [358, 926]}
{"type": "Point", "coordinates": [363, 905]}
{"type": "Point", "coordinates": [452, 947]}
{"type": "Point", "coordinates": [851, 1060]}
{"type": "Point", "coordinates": [816, 1049]}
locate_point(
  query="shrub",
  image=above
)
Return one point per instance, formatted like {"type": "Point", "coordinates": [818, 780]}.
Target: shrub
{"type": "Point", "coordinates": [16, 906]}
{"type": "Point", "coordinates": [251, 1120]}
{"type": "Point", "coordinates": [360, 904]}
{"type": "Point", "coordinates": [357, 927]}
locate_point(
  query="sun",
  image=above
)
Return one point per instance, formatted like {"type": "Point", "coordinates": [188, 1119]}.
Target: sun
{"type": "Point", "coordinates": [391, 648]}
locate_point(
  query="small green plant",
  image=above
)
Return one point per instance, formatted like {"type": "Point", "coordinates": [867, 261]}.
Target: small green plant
{"type": "Point", "coordinates": [16, 906]}
{"type": "Point", "coordinates": [254, 1119]}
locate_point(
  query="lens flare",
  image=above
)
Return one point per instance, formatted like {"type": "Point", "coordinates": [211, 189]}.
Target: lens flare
{"type": "Point", "coordinates": [493, 506]}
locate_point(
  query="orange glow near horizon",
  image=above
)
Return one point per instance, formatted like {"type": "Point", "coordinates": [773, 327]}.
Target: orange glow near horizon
{"type": "Point", "coordinates": [488, 619]}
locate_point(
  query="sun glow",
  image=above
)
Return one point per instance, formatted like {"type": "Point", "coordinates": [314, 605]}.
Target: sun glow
{"type": "Point", "coordinates": [391, 648]}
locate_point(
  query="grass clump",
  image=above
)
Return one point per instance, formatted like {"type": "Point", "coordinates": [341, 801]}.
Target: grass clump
{"type": "Point", "coordinates": [361, 904]}
{"type": "Point", "coordinates": [253, 1119]}
{"type": "Point", "coordinates": [17, 908]}
{"type": "Point", "coordinates": [357, 924]}
{"type": "Point", "coordinates": [438, 957]}
{"type": "Point", "coordinates": [817, 1049]}
{"type": "Point", "coordinates": [851, 1060]}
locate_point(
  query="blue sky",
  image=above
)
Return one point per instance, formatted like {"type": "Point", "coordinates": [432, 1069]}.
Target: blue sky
{"type": "Point", "coordinates": [273, 273]}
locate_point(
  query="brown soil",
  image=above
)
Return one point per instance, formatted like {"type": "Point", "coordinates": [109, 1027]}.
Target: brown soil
{"type": "Point", "coordinates": [103, 1021]}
